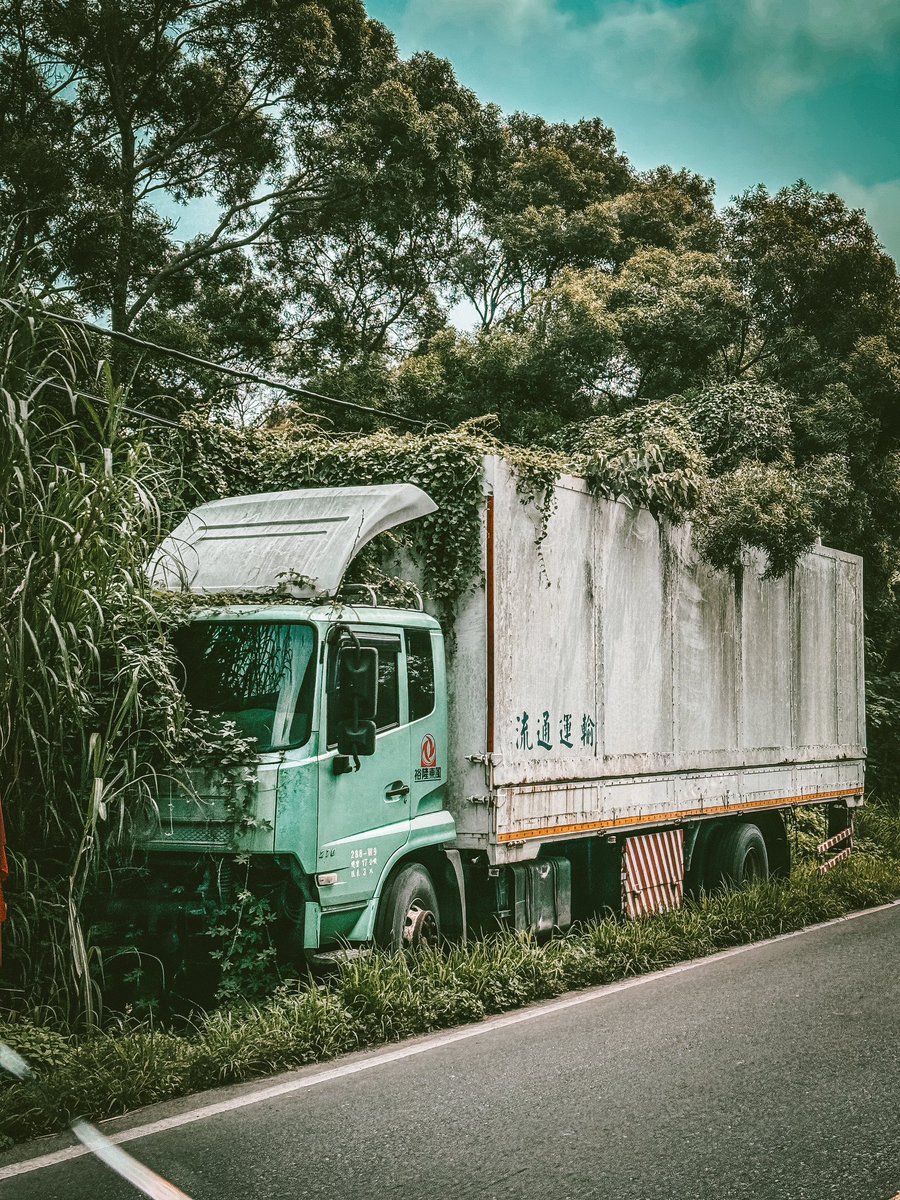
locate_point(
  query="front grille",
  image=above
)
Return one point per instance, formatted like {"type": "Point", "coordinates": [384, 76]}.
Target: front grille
{"type": "Point", "coordinates": [197, 833]}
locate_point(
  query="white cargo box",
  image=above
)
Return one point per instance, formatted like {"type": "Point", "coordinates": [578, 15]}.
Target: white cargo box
{"type": "Point", "coordinates": [604, 679]}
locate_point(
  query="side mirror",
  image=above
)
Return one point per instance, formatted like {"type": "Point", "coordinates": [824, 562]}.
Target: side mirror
{"type": "Point", "coordinates": [356, 700]}
{"type": "Point", "coordinates": [357, 682]}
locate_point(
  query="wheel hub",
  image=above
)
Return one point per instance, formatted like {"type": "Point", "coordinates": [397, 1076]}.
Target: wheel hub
{"type": "Point", "coordinates": [419, 927]}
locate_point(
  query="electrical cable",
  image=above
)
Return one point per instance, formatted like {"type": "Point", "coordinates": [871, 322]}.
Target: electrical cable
{"type": "Point", "coordinates": [236, 372]}
{"type": "Point", "coordinates": [134, 412]}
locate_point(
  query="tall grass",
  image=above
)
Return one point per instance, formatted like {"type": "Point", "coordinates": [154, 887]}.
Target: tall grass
{"type": "Point", "coordinates": [378, 998]}
{"type": "Point", "coordinates": [87, 697]}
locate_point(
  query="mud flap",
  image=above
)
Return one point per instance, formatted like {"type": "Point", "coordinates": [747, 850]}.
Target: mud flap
{"type": "Point", "coordinates": [653, 872]}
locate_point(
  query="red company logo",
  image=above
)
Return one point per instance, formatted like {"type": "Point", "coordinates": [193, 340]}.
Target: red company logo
{"type": "Point", "coordinates": [429, 751]}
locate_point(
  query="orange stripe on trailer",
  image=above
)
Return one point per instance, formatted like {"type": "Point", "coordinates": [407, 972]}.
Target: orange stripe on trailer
{"type": "Point", "coordinates": [684, 814]}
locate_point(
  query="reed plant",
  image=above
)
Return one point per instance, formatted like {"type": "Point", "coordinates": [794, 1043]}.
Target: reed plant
{"type": "Point", "coordinates": [88, 701]}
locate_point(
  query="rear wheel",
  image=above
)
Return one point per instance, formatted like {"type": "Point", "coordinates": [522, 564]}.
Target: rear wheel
{"type": "Point", "coordinates": [408, 916]}
{"type": "Point", "coordinates": [739, 856]}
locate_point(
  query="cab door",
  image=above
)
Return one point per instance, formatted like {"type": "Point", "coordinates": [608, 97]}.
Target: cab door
{"type": "Point", "coordinates": [364, 814]}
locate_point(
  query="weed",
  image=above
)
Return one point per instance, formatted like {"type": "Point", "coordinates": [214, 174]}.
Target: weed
{"type": "Point", "coordinates": [377, 997]}
{"type": "Point", "coordinates": [243, 947]}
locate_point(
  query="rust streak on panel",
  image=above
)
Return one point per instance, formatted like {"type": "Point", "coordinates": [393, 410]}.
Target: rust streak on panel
{"type": "Point", "coordinates": [489, 589]}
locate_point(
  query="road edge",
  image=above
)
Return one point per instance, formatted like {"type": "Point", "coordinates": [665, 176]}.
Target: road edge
{"type": "Point", "coordinates": [250, 1093]}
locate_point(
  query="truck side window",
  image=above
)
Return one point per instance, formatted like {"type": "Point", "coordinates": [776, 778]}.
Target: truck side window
{"type": "Point", "coordinates": [301, 721]}
{"type": "Point", "coordinates": [388, 712]}
{"type": "Point", "coordinates": [420, 669]}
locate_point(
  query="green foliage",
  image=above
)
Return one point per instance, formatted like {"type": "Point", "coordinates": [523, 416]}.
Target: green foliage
{"type": "Point", "coordinates": [882, 714]}
{"type": "Point", "coordinates": [537, 369]}
{"type": "Point", "coordinates": [809, 264]}
{"type": "Point", "coordinates": [551, 197]}
{"type": "Point", "coordinates": [541, 202]}
{"type": "Point", "coordinates": [243, 947]}
{"type": "Point", "coordinates": [92, 711]}
{"type": "Point", "coordinates": [675, 312]}
{"type": "Point", "coordinates": [39, 1044]}
{"type": "Point", "coordinates": [85, 681]}
{"type": "Point", "coordinates": [670, 209]}
{"type": "Point", "coordinates": [649, 455]}
{"type": "Point", "coordinates": [833, 421]}
{"type": "Point", "coordinates": [377, 997]}
{"type": "Point", "coordinates": [334, 169]}
{"type": "Point", "coordinates": [773, 508]}
{"type": "Point", "coordinates": [741, 421]}
{"type": "Point", "coordinates": [446, 464]}
{"type": "Point", "coordinates": [877, 829]}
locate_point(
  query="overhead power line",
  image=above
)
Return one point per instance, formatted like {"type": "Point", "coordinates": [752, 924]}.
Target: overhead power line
{"type": "Point", "coordinates": [134, 412]}
{"type": "Point", "coordinates": [236, 372]}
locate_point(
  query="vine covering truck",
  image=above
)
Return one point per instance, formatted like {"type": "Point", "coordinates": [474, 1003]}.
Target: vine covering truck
{"type": "Point", "coordinates": [608, 722]}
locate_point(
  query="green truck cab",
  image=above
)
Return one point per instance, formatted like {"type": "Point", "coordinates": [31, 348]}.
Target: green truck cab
{"type": "Point", "coordinates": [340, 821]}
{"type": "Point", "coordinates": [329, 826]}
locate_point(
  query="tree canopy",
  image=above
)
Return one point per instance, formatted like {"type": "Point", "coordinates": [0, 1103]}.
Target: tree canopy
{"type": "Point", "coordinates": [375, 231]}
{"type": "Point", "coordinates": [319, 154]}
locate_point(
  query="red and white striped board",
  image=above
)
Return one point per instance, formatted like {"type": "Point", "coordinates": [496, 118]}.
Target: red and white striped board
{"type": "Point", "coordinates": [653, 872]}
{"type": "Point", "coordinates": [845, 835]}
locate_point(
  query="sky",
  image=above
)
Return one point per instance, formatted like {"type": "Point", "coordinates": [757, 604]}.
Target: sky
{"type": "Point", "coordinates": [741, 91]}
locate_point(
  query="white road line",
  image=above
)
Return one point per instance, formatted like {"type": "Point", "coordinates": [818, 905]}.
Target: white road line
{"type": "Point", "coordinates": [410, 1050]}
{"type": "Point", "coordinates": [120, 1161]}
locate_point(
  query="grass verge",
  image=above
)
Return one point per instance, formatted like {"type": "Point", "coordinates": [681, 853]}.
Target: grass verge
{"type": "Point", "coordinates": [380, 998]}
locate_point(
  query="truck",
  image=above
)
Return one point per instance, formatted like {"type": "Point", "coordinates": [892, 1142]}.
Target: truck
{"type": "Point", "coordinates": [605, 724]}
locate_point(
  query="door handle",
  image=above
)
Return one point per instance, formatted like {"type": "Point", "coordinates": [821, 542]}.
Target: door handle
{"type": "Point", "coordinates": [395, 790]}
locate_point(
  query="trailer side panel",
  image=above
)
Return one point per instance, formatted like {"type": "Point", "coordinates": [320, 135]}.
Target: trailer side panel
{"type": "Point", "coordinates": [634, 685]}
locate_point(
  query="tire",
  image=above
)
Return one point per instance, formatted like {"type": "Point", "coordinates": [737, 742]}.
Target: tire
{"type": "Point", "coordinates": [408, 916]}
{"type": "Point", "coordinates": [738, 857]}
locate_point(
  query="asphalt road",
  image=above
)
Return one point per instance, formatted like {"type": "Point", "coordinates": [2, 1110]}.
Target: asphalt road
{"type": "Point", "coordinates": [772, 1073]}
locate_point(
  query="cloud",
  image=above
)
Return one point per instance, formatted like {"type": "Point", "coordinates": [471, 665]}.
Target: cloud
{"type": "Point", "coordinates": [799, 45]}
{"type": "Point", "coordinates": [768, 49]}
{"type": "Point", "coordinates": [636, 45]}
{"type": "Point", "coordinates": [881, 202]}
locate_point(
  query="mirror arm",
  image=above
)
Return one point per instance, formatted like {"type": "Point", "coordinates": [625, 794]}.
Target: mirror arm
{"type": "Point", "coordinates": [340, 630]}
{"type": "Point", "coordinates": [356, 763]}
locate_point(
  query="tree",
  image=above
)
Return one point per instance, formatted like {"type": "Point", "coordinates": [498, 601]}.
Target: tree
{"type": "Point", "coordinates": [540, 204]}
{"type": "Point", "coordinates": [294, 117]}
{"type": "Point", "coordinates": [369, 283]}
{"type": "Point", "coordinates": [815, 277]}
{"type": "Point", "coordinates": [558, 196]}
{"type": "Point", "coordinates": [537, 368]}
{"type": "Point", "coordinates": [670, 209]}
{"type": "Point", "coordinates": [677, 312]}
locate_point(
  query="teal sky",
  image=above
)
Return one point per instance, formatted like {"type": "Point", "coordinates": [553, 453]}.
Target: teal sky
{"type": "Point", "coordinates": [743, 91]}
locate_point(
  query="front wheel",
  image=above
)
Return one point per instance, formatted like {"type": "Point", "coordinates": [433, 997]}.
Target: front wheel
{"type": "Point", "coordinates": [739, 856]}
{"type": "Point", "coordinates": [408, 916]}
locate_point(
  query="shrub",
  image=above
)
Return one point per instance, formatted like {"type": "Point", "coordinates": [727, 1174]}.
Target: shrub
{"type": "Point", "coordinates": [376, 997]}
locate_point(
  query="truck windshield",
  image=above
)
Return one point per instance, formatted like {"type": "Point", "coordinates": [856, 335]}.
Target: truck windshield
{"type": "Point", "coordinates": [259, 674]}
